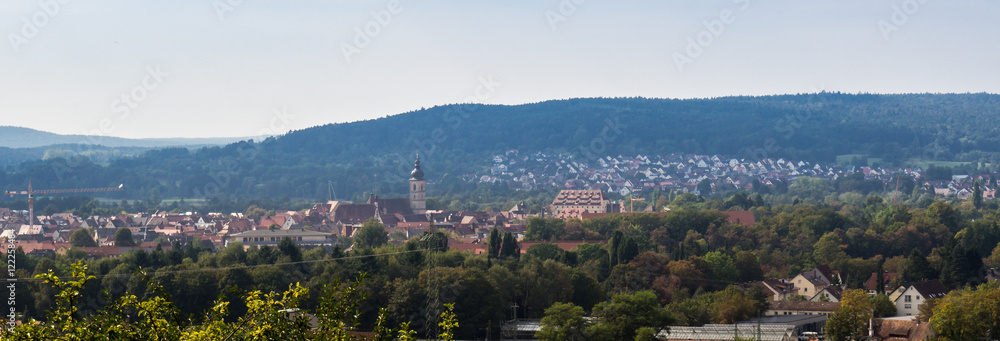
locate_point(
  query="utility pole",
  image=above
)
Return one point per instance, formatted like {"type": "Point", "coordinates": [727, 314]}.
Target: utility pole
{"type": "Point", "coordinates": [514, 308]}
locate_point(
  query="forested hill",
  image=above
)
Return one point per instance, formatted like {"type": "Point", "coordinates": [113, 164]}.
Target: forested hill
{"type": "Point", "coordinates": [19, 137]}
{"type": "Point", "coordinates": [456, 139]}
{"type": "Point", "coordinates": [814, 127]}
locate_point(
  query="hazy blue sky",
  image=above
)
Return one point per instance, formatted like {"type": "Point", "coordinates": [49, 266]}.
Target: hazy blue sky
{"type": "Point", "coordinates": [242, 67]}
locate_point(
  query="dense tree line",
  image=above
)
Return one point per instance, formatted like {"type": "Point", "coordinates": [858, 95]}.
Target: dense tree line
{"type": "Point", "coordinates": [377, 155]}
{"type": "Point", "coordinates": [681, 267]}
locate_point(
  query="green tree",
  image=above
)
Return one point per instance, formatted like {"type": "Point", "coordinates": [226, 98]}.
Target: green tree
{"type": "Point", "coordinates": [509, 247]}
{"type": "Point", "coordinates": [748, 267]}
{"type": "Point", "coordinates": [563, 321]}
{"type": "Point", "coordinates": [828, 249]}
{"type": "Point", "coordinates": [646, 334]}
{"type": "Point", "coordinates": [977, 195]}
{"type": "Point", "coordinates": [966, 314]}
{"type": "Point", "coordinates": [545, 251]}
{"type": "Point", "coordinates": [449, 321]}
{"type": "Point", "coordinates": [371, 234]}
{"type": "Point", "coordinates": [944, 214]}
{"type": "Point", "coordinates": [736, 306]}
{"type": "Point", "coordinates": [961, 267]}
{"type": "Point", "coordinates": [154, 197]}
{"type": "Point", "coordinates": [254, 212]}
{"type": "Point", "coordinates": [81, 238]}
{"type": "Point", "coordinates": [495, 241]}
{"type": "Point", "coordinates": [882, 306]}
{"type": "Point", "coordinates": [615, 244]}
{"type": "Point", "coordinates": [123, 237]}
{"type": "Point", "coordinates": [290, 249]}
{"type": "Point", "coordinates": [917, 267]}
{"type": "Point", "coordinates": [704, 188]}
{"type": "Point", "coordinates": [808, 188]}
{"type": "Point", "coordinates": [850, 321]}
{"type": "Point", "coordinates": [628, 250]}
{"type": "Point", "coordinates": [721, 266]}
{"type": "Point", "coordinates": [544, 229]}
{"type": "Point", "coordinates": [624, 314]}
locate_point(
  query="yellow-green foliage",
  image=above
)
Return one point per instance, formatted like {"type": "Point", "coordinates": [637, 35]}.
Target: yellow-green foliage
{"type": "Point", "coordinates": [269, 316]}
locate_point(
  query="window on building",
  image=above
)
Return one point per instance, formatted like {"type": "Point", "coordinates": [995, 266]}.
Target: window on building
{"type": "Point", "coordinates": [907, 299]}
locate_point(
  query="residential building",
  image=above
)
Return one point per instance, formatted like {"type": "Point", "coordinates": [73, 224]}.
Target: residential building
{"type": "Point", "coordinates": [716, 332]}
{"type": "Point", "coordinates": [591, 201]}
{"type": "Point", "coordinates": [810, 283]}
{"type": "Point", "coordinates": [909, 296]}
{"type": "Point", "coordinates": [801, 308]}
{"type": "Point", "coordinates": [900, 329]}
{"type": "Point", "coordinates": [273, 237]}
{"type": "Point", "coordinates": [828, 294]}
{"type": "Point", "coordinates": [887, 278]}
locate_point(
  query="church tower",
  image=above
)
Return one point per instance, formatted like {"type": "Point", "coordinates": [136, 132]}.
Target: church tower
{"type": "Point", "coordinates": [418, 191]}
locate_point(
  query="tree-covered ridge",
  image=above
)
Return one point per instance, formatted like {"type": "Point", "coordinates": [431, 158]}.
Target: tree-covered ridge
{"type": "Point", "coordinates": [377, 154]}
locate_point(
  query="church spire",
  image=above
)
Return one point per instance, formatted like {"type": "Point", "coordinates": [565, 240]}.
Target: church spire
{"type": "Point", "coordinates": [417, 173]}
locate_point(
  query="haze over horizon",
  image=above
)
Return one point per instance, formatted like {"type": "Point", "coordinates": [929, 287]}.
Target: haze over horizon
{"type": "Point", "coordinates": [228, 68]}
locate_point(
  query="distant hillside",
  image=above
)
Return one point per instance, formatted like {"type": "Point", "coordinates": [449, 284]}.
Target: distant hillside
{"type": "Point", "coordinates": [457, 139]}
{"type": "Point", "coordinates": [18, 137]}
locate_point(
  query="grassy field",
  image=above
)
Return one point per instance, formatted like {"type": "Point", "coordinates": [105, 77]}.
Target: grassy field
{"type": "Point", "coordinates": [923, 164]}
{"type": "Point", "coordinates": [195, 202]}
{"type": "Point", "coordinates": [188, 201]}
{"type": "Point", "coordinates": [847, 158]}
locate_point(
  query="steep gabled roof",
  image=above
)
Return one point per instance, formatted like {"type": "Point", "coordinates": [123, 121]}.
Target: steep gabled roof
{"type": "Point", "coordinates": [872, 283]}
{"type": "Point", "coordinates": [930, 288]}
{"type": "Point", "coordinates": [834, 292]}
{"type": "Point", "coordinates": [353, 213]}
{"type": "Point", "coordinates": [395, 205]}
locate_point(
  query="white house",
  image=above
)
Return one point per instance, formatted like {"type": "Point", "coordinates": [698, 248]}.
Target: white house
{"type": "Point", "coordinates": [909, 296]}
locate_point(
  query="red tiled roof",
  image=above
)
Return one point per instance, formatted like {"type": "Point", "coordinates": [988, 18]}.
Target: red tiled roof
{"type": "Point", "coordinates": [872, 283]}
{"type": "Point", "coordinates": [740, 217]}
{"type": "Point", "coordinates": [565, 245]}
{"type": "Point", "coordinates": [579, 197]}
{"type": "Point", "coordinates": [353, 213]}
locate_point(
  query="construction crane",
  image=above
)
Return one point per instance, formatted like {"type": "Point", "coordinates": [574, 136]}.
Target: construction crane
{"type": "Point", "coordinates": [332, 192]}
{"type": "Point", "coordinates": [31, 195]}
